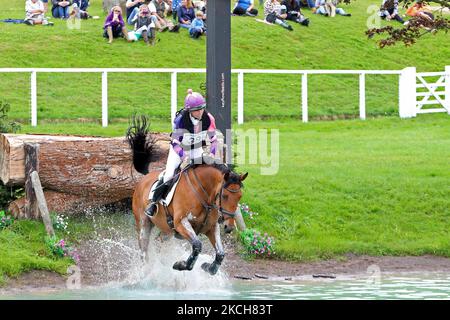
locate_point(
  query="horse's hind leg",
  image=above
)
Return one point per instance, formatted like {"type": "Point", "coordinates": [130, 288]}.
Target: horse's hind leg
{"type": "Point", "coordinates": [185, 229]}
{"type": "Point", "coordinates": [146, 227]}
{"type": "Point", "coordinates": [214, 236]}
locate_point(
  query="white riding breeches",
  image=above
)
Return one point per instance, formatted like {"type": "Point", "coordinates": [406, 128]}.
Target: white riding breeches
{"type": "Point", "coordinates": [174, 161]}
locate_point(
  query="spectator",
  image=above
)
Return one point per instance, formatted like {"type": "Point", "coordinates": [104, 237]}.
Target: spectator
{"type": "Point", "coordinates": [80, 9]}
{"type": "Point", "coordinates": [60, 9]}
{"type": "Point", "coordinates": [199, 5]}
{"type": "Point", "coordinates": [294, 12]}
{"type": "Point", "coordinates": [274, 12]}
{"type": "Point", "coordinates": [158, 8]}
{"type": "Point", "coordinates": [175, 5]}
{"type": "Point", "coordinates": [307, 3]}
{"type": "Point", "coordinates": [114, 26]}
{"type": "Point", "coordinates": [186, 14]}
{"type": "Point", "coordinates": [245, 7]}
{"type": "Point", "coordinates": [145, 25]}
{"type": "Point", "coordinates": [329, 8]}
{"type": "Point", "coordinates": [133, 9]}
{"type": "Point", "coordinates": [34, 13]}
{"type": "Point", "coordinates": [197, 26]}
{"type": "Point", "coordinates": [389, 11]}
{"type": "Point", "coordinates": [420, 9]}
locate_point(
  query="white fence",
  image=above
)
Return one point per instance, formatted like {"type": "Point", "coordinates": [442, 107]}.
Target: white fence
{"type": "Point", "coordinates": [409, 106]}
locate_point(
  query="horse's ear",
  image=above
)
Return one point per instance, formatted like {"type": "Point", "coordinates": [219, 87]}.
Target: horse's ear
{"type": "Point", "coordinates": [226, 176]}
{"type": "Point", "coordinates": [243, 176]}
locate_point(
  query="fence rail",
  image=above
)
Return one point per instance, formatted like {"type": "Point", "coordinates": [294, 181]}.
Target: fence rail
{"type": "Point", "coordinates": [407, 87]}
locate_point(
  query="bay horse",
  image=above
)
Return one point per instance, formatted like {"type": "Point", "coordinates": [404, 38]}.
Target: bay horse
{"type": "Point", "coordinates": [205, 196]}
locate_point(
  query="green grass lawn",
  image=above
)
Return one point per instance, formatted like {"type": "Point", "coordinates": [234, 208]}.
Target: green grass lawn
{"type": "Point", "coordinates": [329, 43]}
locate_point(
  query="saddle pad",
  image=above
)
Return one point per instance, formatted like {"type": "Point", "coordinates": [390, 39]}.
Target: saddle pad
{"type": "Point", "coordinates": [169, 197]}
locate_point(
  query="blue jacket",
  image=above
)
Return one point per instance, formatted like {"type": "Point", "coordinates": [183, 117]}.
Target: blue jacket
{"type": "Point", "coordinates": [185, 14]}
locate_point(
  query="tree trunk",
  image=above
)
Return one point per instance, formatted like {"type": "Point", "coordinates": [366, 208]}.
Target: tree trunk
{"type": "Point", "coordinates": [76, 172]}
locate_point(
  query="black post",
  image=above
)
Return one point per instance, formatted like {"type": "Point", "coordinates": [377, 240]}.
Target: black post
{"type": "Point", "coordinates": [219, 66]}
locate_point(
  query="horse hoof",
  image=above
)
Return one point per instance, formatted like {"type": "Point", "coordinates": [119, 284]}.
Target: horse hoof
{"type": "Point", "coordinates": [180, 265]}
{"type": "Point", "coordinates": [207, 267]}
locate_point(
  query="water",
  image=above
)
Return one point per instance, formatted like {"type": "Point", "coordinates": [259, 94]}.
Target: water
{"type": "Point", "coordinates": [116, 271]}
{"type": "Point", "coordinates": [411, 286]}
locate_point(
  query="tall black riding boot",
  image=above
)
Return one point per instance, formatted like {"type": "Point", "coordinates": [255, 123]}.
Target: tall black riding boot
{"type": "Point", "coordinates": [160, 191]}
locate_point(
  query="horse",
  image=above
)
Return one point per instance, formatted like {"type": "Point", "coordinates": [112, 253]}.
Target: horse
{"type": "Point", "coordinates": [205, 196]}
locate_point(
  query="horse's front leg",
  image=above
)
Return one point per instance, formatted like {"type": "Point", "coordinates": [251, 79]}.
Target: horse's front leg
{"type": "Point", "coordinates": [214, 237]}
{"type": "Point", "coordinates": [185, 229]}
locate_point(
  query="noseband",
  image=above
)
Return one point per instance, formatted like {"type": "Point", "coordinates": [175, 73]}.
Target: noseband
{"type": "Point", "coordinates": [223, 211]}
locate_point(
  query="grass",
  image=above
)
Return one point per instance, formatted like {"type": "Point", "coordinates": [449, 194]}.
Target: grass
{"type": "Point", "coordinates": [22, 249]}
{"type": "Point", "coordinates": [379, 187]}
{"type": "Point", "coordinates": [338, 43]}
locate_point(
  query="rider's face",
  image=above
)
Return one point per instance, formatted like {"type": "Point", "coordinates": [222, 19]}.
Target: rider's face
{"type": "Point", "coordinates": [197, 114]}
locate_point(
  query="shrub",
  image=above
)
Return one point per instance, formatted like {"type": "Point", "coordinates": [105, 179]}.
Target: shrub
{"type": "Point", "coordinates": [61, 249]}
{"type": "Point", "coordinates": [5, 220]}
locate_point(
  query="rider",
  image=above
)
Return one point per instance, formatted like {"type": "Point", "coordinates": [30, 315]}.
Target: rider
{"type": "Point", "coordinates": [192, 126]}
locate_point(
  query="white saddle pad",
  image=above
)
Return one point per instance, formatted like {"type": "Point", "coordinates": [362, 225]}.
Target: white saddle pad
{"type": "Point", "coordinates": [169, 197]}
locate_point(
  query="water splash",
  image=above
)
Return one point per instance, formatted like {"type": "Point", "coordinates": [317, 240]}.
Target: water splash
{"type": "Point", "coordinates": [113, 260]}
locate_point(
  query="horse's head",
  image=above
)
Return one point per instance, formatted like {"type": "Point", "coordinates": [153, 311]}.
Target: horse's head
{"type": "Point", "coordinates": [230, 195]}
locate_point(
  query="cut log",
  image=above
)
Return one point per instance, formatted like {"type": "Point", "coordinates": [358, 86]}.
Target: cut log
{"type": "Point", "coordinates": [78, 165]}
{"type": "Point", "coordinates": [76, 172]}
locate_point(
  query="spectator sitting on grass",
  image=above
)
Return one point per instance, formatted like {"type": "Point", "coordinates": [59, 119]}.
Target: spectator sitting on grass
{"type": "Point", "coordinates": [329, 8]}
{"type": "Point", "coordinates": [79, 9]}
{"type": "Point", "coordinates": [158, 9]}
{"type": "Point", "coordinates": [420, 9]}
{"type": "Point", "coordinates": [60, 9]}
{"type": "Point", "coordinates": [114, 26]}
{"type": "Point", "coordinates": [186, 14]}
{"type": "Point", "coordinates": [294, 12]}
{"type": "Point", "coordinates": [34, 13]}
{"type": "Point", "coordinates": [132, 7]}
{"type": "Point", "coordinates": [245, 7]}
{"type": "Point", "coordinates": [145, 25]}
{"type": "Point", "coordinates": [197, 26]}
{"type": "Point", "coordinates": [389, 10]}
{"type": "Point", "coordinates": [274, 12]}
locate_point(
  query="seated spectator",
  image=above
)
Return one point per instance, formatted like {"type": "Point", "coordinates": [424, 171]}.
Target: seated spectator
{"type": "Point", "coordinates": [245, 7]}
{"type": "Point", "coordinates": [186, 14]}
{"type": "Point", "coordinates": [199, 5]}
{"type": "Point", "coordinates": [34, 13]}
{"type": "Point", "coordinates": [133, 9]}
{"type": "Point", "coordinates": [114, 26]}
{"type": "Point", "coordinates": [389, 10]}
{"type": "Point", "coordinates": [197, 26]}
{"type": "Point", "coordinates": [294, 12]}
{"type": "Point", "coordinates": [169, 10]}
{"type": "Point", "coordinates": [329, 8]}
{"type": "Point", "coordinates": [274, 12]}
{"type": "Point", "coordinates": [145, 26]}
{"type": "Point", "coordinates": [420, 9]}
{"type": "Point", "coordinates": [60, 9]}
{"type": "Point", "coordinates": [79, 9]}
{"type": "Point", "coordinates": [158, 9]}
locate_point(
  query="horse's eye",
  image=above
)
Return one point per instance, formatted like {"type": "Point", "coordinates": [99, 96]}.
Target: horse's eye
{"type": "Point", "coordinates": [225, 197]}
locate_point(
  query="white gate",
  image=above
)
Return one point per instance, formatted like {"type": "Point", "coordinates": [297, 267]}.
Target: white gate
{"type": "Point", "coordinates": [417, 91]}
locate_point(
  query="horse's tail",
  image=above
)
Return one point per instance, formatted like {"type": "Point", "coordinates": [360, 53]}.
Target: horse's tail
{"type": "Point", "coordinates": [140, 142]}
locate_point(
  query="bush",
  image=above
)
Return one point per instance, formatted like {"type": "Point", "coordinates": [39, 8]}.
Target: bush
{"type": "Point", "coordinates": [7, 126]}
{"type": "Point", "coordinates": [257, 244]}
{"type": "Point", "coordinates": [61, 249]}
{"type": "Point", "coordinates": [5, 220]}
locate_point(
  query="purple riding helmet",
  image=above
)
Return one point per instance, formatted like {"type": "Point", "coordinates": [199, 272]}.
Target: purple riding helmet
{"type": "Point", "coordinates": [194, 101]}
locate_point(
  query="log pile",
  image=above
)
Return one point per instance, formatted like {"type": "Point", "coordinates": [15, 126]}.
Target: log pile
{"type": "Point", "coordinates": [76, 172]}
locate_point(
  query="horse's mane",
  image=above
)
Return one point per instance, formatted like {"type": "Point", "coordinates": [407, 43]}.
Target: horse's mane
{"type": "Point", "coordinates": [233, 177]}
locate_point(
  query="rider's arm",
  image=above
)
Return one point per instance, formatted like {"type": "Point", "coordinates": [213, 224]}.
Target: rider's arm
{"type": "Point", "coordinates": [212, 134]}
{"type": "Point", "coordinates": [177, 136]}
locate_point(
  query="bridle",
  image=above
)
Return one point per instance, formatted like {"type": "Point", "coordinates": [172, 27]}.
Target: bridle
{"type": "Point", "coordinates": [209, 207]}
